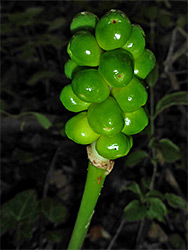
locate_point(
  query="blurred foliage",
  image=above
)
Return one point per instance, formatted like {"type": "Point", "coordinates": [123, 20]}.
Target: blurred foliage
{"type": "Point", "coordinates": [34, 37]}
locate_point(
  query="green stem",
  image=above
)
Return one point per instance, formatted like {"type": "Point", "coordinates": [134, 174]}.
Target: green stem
{"type": "Point", "coordinates": [93, 186]}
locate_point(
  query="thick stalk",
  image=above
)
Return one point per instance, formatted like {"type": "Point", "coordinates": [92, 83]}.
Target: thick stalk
{"type": "Point", "coordinates": [93, 186]}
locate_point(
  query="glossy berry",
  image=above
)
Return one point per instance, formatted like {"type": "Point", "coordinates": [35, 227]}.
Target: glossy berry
{"type": "Point", "coordinates": [70, 68]}
{"type": "Point", "coordinates": [78, 130]}
{"type": "Point", "coordinates": [136, 42]}
{"type": "Point", "coordinates": [144, 64]}
{"type": "Point", "coordinates": [83, 49]}
{"type": "Point", "coordinates": [113, 30]}
{"type": "Point", "coordinates": [89, 86]}
{"type": "Point", "coordinates": [131, 97]}
{"type": "Point", "coordinates": [116, 67]}
{"type": "Point", "coordinates": [114, 146]}
{"type": "Point", "coordinates": [84, 21]}
{"type": "Point", "coordinates": [105, 118]}
{"type": "Point", "coordinates": [135, 122]}
{"type": "Point", "coordinates": [71, 101]}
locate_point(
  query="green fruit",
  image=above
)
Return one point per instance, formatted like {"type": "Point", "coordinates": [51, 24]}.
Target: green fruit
{"type": "Point", "coordinates": [84, 21]}
{"type": "Point", "coordinates": [135, 122]}
{"type": "Point", "coordinates": [131, 97]}
{"type": "Point", "coordinates": [70, 68]}
{"type": "Point", "coordinates": [71, 101]}
{"type": "Point", "coordinates": [83, 49]}
{"type": "Point", "coordinates": [136, 42]}
{"type": "Point", "coordinates": [105, 118]}
{"type": "Point", "coordinates": [89, 86]}
{"type": "Point", "coordinates": [116, 67]}
{"type": "Point", "coordinates": [144, 64]}
{"type": "Point", "coordinates": [114, 146]}
{"type": "Point", "coordinates": [113, 30]}
{"type": "Point", "coordinates": [78, 129]}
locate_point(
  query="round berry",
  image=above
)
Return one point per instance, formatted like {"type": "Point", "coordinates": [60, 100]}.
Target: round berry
{"type": "Point", "coordinates": [131, 97]}
{"type": "Point", "coordinates": [114, 146]}
{"type": "Point", "coordinates": [116, 67]}
{"type": "Point", "coordinates": [83, 49]}
{"type": "Point", "coordinates": [84, 21]}
{"type": "Point", "coordinates": [70, 68]}
{"type": "Point", "coordinates": [144, 64]}
{"type": "Point", "coordinates": [105, 118]}
{"type": "Point", "coordinates": [78, 130]}
{"type": "Point", "coordinates": [136, 42]}
{"type": "Point", "coordinates": [89, 86]}
{"type": "Point", "coordinates": [135, 122]}
{"type": "Point", "coordinates": [113, 30]}
{"type": "Point", "coordinates": [71, 101]}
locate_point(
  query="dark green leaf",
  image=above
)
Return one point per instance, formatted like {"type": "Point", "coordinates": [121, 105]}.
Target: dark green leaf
{"type": "Point", "coordinates": [135, 158]}
{"type": "Point", "coordinates": [169, 150]}
{"type": "Point", "coordinates": [151, 12]}
{"type": "Point", "coordinates": [135, 211]}
{"type": "Point", "coordinates": [39, 76]}
{"type": "Point", "coordinates": [157, 209]}
{"type": "Point", "coordinates": [176, 201]}
{"type": "Point", "coordinates": [23, 207]}
{"type": "Point", "coordinates": [177, 98]}
{"type": "Point", "coordinates": [21, 155]}
{"type": "Point", "coordinates": [42, 119]}
{"type": "Point", "coordinates": [33, 11]}
{"type": "Point", "coordinates": [177, 242]}
{"type": "Point", "coordinates": [155, 193]}
{"type": "Point", "coordinates": [53, 210]}
{"type": "Point", "coordinates": [54, 236]}
{"type": "Point", "coordinates": [56, 24]}
{"type": "Point", "coordinates": [153, 76]}
{"type": "Point", "coordinates": [134, 187]}
{"type": "Point", "coordinates": [24, 232]}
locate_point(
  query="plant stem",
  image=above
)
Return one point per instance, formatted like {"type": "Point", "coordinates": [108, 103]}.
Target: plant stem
{"type": "Point", "coordinates": [93, 186]}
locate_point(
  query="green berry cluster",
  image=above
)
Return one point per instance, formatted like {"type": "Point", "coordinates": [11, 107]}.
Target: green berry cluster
{"type": "Point", "coordinates": [107, 64]}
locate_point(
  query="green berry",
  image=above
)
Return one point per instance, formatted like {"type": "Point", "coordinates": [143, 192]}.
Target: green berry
{"type": "Point", "coordinates": [71, 101]}
{"type": "Point", "coordinates": [105, 118]}
{"type": "Point", "coordinates": [113, 30]}
{"type": "Point", "coordinates": [135, 122]}
{"type": "Point", "coordinates": [131, 97]}
{"type": "Point", "coordinates": [78, 129]}
{"type": "Point", "coordinates": [83, 49]}
{"type": "Point", "coordinates": [116, 67]}
{"type": "Point", "coordinates": [84, 21]}
{"type": "Point", "coordinates": [144, 64]}
{"type": "Point", "coordinates": [136, 42]}
{"type": "Point", "coordinates": [70, 68]}
{"type": "Point", "coordinates": [89, 86]}
{"type": "Point", "coordinates": [114, 146]}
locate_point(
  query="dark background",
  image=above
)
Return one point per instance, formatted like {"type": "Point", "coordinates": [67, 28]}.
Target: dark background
{"type": "Point", "coordinates": [30, 153]}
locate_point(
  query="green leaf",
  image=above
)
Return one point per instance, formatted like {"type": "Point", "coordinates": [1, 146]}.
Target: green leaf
{"type": "Point", "coordinates": [135, 211]}
{"type": "Point", "coordinates": [42, 119]}
{"type": "Point", "coordinates": [54, 236]}
{"type": "Point", "coordinates": [177, 98]}
{"type": "Point", "coordinates": [134, 187]}
{"type": "Point", "coordinates": [56, 24]}
{"type": "Point", "coordinates": [53, 210]}
{"type": "Point", "coordinates": [157, 209]}
{"type": "Point", "coordinates": [33, 11]}
{"type": "Point", "coordinates": [176, 201]}
{"type": "Point", "coordinates": [24, 232]}
{"type": "Point", "coordinates": [21, 155]}
{"type": "Point", "coordinates": [23, 207]}
{"type": "Point", "coordinates": [135, 158]}
{"type": "Point", "coordinates": [169, 150]}
{"type": "Point", "coordinates": [155, 193]}
{"type": "Point", "coordinates": [39, 76]}
{"type": "Point", "coordinates": [153, 76]}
